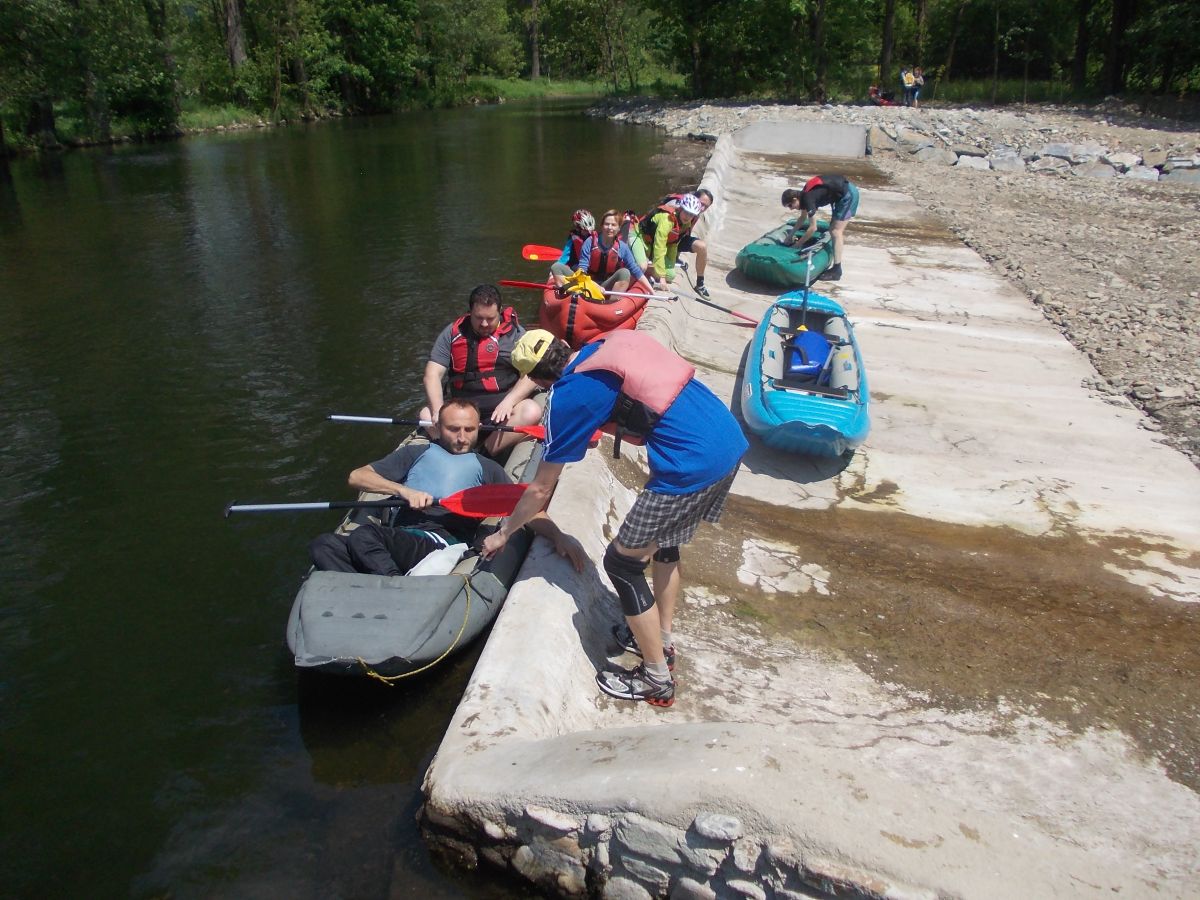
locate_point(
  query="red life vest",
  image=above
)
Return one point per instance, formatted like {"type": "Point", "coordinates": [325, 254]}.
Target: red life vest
{"type": "Point", "coordinates": [651, 378]}
{"type": "Point", "coordinates": [473, 361]}
{"type": "Point", "coordinates": [576, 247]}
{"type": "Point", "coordinates": [647, 224]}
{"type": "Point", "coordinates": [601, 264]}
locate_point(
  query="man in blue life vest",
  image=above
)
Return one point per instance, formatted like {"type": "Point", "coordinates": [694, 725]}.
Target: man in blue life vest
{"type": "Point", "coordinates": [835, 191]}
{"type": "Point", "coordinates": [636, 389]}
{"type": "Point", "coordinates": [417, 473]}
{"type": "Point", "coordinates": [472, 354]}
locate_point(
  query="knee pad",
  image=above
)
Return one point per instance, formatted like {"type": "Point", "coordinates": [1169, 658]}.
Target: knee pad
{"type": "Point", "coordinates": [666, 555]}
{"type": "Point", "coordinates": [628, 575]}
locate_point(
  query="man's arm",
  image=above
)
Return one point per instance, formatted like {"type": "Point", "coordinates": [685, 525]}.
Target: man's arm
{"type": "Point", "coordinates": [523, 389]}
{"type": "Point", "coordinates": [434, 373]}
{"type": "Point", "coordinates": [564, 544]}
{"type": "Point", "coordinates": [365, 478]}
{"type": "Point", "coordinates": [532, 502]}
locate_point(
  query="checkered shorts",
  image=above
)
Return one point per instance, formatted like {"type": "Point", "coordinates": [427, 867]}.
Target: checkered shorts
{"type": "Point", "coordinates": [670, 520]}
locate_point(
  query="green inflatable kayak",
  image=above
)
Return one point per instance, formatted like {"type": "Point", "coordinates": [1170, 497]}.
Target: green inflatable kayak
{"type": "Point", "coordinates": [770, 261]}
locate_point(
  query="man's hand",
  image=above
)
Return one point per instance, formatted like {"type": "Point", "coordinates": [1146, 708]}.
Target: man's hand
{"type": "Point", "coordinates": [503, 410]}
{"type": "Point", "coordinates": [417, 499]}
{"type": "Point", "coordinates": [566, 546]}
{"type": "Point", "coordinates": [493, 544]}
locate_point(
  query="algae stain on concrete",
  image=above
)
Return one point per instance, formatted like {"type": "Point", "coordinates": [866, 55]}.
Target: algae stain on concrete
{"type": "Point", "coordinates": [969, 617]}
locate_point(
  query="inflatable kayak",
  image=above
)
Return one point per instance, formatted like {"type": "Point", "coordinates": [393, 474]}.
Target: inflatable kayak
{"type": "Point", "coordinates": [389, 627]}
{"type": "Point", "coordinates": [771, 261]}
{"type": "Point", "coordinates": [805, 389]}
{"type": "Point", "coordinates": [577, 318]}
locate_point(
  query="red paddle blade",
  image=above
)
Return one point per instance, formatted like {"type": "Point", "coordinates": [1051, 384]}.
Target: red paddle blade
{"type": "Point", "coordinates": [485, 500]}
{"type": "Point", "coordinates": [532, 285]}
{"type": "Point", "coordinates": [538, 433]}
{"type": "Point", "coordinates": [540, 251]}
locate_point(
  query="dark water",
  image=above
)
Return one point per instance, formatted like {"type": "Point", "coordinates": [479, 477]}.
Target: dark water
{"type": "Point", "coordinates": [175, 322]}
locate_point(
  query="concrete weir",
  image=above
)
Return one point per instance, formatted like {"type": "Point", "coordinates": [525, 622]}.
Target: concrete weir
{"type": "Point", "coordinates": [960, 664]}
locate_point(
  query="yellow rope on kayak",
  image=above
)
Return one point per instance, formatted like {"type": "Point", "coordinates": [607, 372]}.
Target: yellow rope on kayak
{"type": "Point", "coordinates": [391, 679]}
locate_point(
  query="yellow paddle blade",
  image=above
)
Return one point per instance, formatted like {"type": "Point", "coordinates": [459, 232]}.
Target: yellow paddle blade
{"type": "Point", "coordinates": [582, 283]}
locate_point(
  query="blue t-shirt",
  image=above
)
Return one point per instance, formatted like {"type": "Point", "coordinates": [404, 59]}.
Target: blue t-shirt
{"type": "Point", "coordinates": [695, 444]}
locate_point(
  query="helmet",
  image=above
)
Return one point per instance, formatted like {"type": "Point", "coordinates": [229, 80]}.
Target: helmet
{"type": "Point", "coordinates": [690, 203]}
{"type": "Point", "coordinates": [583, 220]}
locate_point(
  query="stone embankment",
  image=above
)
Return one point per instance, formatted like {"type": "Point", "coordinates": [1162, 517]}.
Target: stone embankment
{"type": "Point", "coordinates": [1091, 211]}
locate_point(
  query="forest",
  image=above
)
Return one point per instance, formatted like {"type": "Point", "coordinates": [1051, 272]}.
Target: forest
{"type": "Point", "coordinates": [83, 71]}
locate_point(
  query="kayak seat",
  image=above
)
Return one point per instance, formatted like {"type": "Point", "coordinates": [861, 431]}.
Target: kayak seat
{"type": "Point", "coordinates": [805, 353]}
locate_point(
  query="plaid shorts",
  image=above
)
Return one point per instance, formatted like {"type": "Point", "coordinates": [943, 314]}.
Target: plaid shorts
{"type": "Point", "coordinates": [670, 520]}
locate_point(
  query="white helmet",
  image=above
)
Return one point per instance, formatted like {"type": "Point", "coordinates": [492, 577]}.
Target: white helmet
{"type": "Point", "coordinates": [584, 221]}
{"type": "Point", "coordinates": [690, 203]}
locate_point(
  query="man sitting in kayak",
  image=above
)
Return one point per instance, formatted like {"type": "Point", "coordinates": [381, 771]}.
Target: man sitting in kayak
{"type": "Point", "coordinates": [608, 259]}
{"type": "Point", "coordinates": [417, 473]}
{"type": "Point", "coordinates": [473, 352]}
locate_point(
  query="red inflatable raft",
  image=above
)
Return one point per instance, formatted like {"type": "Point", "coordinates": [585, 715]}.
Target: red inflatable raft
{"type": "Point", "coordinates": [576, 318]}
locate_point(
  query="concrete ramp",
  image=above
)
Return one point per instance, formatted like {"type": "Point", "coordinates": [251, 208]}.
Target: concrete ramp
{"type": "Point", "coordinates": [803, 138]}
{"type": "Point", "coordinates": [960, 664]}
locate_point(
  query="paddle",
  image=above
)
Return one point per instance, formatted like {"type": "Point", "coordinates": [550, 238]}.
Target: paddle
{"type": "Point", "coordinates": [473, 503]}
{"type": "Point", "coordinates": [724, 309]}
{"type": "Point", "coordinates": [537, 432]}
{"type": "Point", "coordinates": [541, 286]}
{"type": "Point", "coordinates": [540, 251]}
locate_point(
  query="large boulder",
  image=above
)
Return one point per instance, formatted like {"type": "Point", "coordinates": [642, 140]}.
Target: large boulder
{"type": "Point", "coordinates": [1006, 161]}
{"type": "Point", "coordinates": [1056, 151]}
{"type": "Point", "coordinates": [1094, 169]}
{"type": "Point", "coordinates": [912, 141]}
{"type": "Point", "coordinates": [1123, 160]}
{"type": "Point", "coordinates": [968, 150]}
{"type": "Point", "coordinates": [936, 156]}
{"type": "Point", "coordinates": [1049, 164]}
{"type": "Point", "coordinates": [1142, 173]}
{"type": "Point", "coordinates": [1187, 176]}
{"type": "Point", "coordinates": [972, 162]}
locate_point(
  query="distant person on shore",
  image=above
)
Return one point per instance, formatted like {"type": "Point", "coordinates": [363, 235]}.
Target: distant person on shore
{"type": "Point", "coordinates": [835, 191]}
{"type": "Point", "coordinates": [416, 474]}
{"type": "Point", "coordinates": [472, 358]}
{"type": "Point", "coordinates": [656, 241]}
{"type": "Point", "coordinates": [609, 260]}
{"type": "Point", "coordinates": [907, 84]}
{"type": "Point", "coordinates": [638, 390]}
{"type": "Point", "coordinates": [918, 83]}
{"type": "Point", "coordinates": [583, 226]}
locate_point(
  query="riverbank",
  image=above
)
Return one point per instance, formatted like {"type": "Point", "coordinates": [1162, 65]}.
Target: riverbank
{"type": "Point", "coordinates": [1108, 257]}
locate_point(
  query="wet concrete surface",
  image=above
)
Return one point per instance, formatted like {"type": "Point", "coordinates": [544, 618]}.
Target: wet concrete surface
{"type": "Point", "coordinates": [978, 617]}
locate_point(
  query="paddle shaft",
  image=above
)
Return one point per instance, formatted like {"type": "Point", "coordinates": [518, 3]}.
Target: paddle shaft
{"type": "Point", "coordinates": [475, 503]}
{"type": "Point", "coordinates": [539, 286]}
{"type": "Point", "coordinates": [531, 430]}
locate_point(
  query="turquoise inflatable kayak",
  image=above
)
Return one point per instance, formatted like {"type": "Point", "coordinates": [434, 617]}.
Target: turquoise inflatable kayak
{"type": "Point", "coordinates": [805, 389]}
{"type": "Point", "coordinates": [771, 261]}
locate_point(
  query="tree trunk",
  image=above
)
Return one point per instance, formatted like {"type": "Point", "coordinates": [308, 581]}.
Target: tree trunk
{"type": "Point", "coordinates": [954, 30]}
{"type": "Point", "coordinates": [296, 70]}
{"type": "Point", "coordinates": [1083, 9]}
{"type": "Point", "coordinates": [889, 40]}
{"type": "Point", "coordinates": [996, 55]}
{"type": "Point", "coordinates": [156, 16]}
{"type": "Point", "coordinates": [697, 82]}
{"type": "Point", "coordinates": [921, 27]}
{"type": "Point", "coordinates": [535, 54]}
{"type": "Point", "coordinates": [95, 101]}
{"type": "Point", "coordinates": [39, 125]}
{"type": "Point", "coordinates": [235, 39]}
{"type": "Point", "coordinates": [817, 42]}
{"type": "Point", "coordinates": [1115, 55]}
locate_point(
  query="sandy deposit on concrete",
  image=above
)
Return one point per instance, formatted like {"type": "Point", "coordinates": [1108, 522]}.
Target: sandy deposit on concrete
{"type": "Point", "coordinates": [1112, 262]}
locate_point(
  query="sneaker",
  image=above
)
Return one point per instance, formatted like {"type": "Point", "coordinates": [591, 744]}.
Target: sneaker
{"type": "Point", "coordinates": [627, 642]}
{"type": "Point", "coordinates": [637, 684]}
{"type": "Point", "coordinates": [833, 273]}
{"type": "Point", "coordinates": [702, 291]}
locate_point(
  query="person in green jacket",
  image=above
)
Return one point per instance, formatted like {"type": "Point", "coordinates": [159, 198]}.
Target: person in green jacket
{"type": "Point", "coordinates": [656, 243]}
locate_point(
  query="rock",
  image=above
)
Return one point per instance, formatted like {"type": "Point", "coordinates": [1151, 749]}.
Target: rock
{"type": "Point", "coordinates": [598, 825]}
{"type": "Point", "coordinates": [1122, 160]}
{"type": "Point", "coordinates": [1057, 151]}
{"type": "Point", "coordinates": [1094, 169]}
{"type": "Point", "coordinates": [1142, 173]}
{"type": "Point", "coordinates": [968, 150]}
{"type": "Point", "coordinates": [878, 139]}
{"type": "Point", "coordinates": [746, 889]}
{"type": "Point", "coordinates": [745, 855]}
{"type": "Point", "coordinates": [1187, 176]}
{"type": "Point", "coordinates": [550, 870]}
{"type": "Point", "coordinates": [1180, 162]}
{"type": "Point", "coordinates": [656, 878]}
{"type": "Point", "coordinates": [686, 889]}
{"type": "Point", "coordinates": [972, 162]}
{"type": "Point", "coordinates": [912, 141]}
{"type": "Point", "coordinates": [1154, 158]}
{"type": "Point", "coordinates": [623, 889]}
{"type": "Point", "coordinates": [646, 837]}
{"type": "Point", "coordinates": [1049, 164]}
{"type": "Point", "coordinates": [1006, 161]}
{"type": "Point", "coordinates": [718, 827]}
{"type": "Point", "coordinates": [1088, 151]}
{"type": "Point", "coordinates": [552, 820]}
{"type": "Point", "coordinates": [935, 156]}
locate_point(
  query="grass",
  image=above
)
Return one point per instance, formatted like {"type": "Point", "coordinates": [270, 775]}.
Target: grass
{"type": "Point", "coordinates": [196, 116]}
{"type": "Point", "coordinates": [1007, 91]}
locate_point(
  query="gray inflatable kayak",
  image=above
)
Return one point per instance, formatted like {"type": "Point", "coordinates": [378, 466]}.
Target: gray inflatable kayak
{"type": "Point", "coordinates": [391, 627]}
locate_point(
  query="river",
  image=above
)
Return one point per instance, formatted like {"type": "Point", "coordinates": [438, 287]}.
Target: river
{"type": "Point", "coordinates": [176, 320]}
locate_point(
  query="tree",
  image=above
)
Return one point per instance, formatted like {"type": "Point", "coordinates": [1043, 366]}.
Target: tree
{"type": "Point", "coordinates": [888, 41]}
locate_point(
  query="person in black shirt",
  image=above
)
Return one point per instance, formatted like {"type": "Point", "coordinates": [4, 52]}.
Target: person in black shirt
{"type": "Point", "coordinates": [823, 190]}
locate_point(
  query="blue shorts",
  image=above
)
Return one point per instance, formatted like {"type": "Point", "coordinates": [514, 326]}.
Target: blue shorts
{"type": "Point", "coordinates": [845, 209]}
